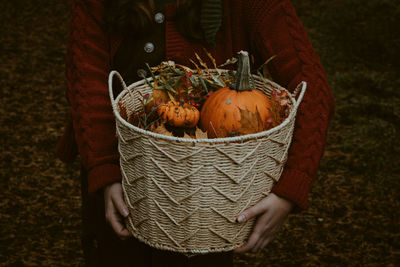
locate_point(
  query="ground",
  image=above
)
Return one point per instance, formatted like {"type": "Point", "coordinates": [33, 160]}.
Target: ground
{"type": "Point", "coordinates": [354, 212]}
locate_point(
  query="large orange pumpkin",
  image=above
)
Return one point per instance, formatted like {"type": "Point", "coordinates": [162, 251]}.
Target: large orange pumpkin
{"type": "Point", "coordinates": [238, 110]}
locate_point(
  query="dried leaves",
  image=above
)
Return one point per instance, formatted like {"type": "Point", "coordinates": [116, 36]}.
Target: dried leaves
{"type": "Point", "coordinates": [162, 130]}
{"type": "Point", "coordinates": [250, 122]}
{"type": "Point", "coordinates": [279, 107]}
{"type": "Point", "coordinates": [263, 69]}
{"type": "Point", "coordinates": [187, 133]}
{"type": "Point", "coordinates": [177, 82]}
{"type": "Point", "coordinates": [199, 134]}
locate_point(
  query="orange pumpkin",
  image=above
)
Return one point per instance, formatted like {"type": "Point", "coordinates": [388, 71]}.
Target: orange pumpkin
{"type": "Point", "coordinates": [179, 114]}
{"type": "Point", "coordinates": [238, 110]}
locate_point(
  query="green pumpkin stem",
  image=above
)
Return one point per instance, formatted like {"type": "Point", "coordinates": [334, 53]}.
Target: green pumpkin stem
{"type": "Point", "coordinates": [242, 79]}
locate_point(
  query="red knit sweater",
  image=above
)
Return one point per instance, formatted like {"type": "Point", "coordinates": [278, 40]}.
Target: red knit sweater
{"type": "Point", "coordinates": [262, 27]}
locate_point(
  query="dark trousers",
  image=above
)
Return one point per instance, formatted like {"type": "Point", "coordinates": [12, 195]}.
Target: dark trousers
{"type": "Point", "coordinates": [102, 248]}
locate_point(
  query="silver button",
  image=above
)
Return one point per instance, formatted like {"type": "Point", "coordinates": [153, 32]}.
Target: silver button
{"type": "Point", "coordinates": [149, 47]}
{"type": "Point", "coordinates": [159, 17]}
{"type": "Point", "coordinates": [141, 73]}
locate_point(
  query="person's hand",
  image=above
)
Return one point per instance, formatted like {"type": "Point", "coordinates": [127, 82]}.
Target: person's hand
{"type": "Point", "coordinates": [271, 212]}
{"type": "Point", "coordinates": [116, 209]}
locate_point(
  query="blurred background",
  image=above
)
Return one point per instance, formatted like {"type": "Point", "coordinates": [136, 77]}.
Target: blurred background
{"type": "Point", "coordinates": [354, 214]}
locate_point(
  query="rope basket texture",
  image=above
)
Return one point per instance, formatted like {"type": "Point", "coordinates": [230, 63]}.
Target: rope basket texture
{"type": "Point", "coordinates": [184, 194]}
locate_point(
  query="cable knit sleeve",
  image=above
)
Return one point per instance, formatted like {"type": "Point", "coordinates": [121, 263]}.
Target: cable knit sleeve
{"type": "Point", "coordinates": [275, 29]}
{"type": "Point", "coordinates": [87, 68]}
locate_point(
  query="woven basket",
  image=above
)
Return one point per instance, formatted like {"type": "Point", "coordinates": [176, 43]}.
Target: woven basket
{"type": "Point", "coordinates": [185, 194]}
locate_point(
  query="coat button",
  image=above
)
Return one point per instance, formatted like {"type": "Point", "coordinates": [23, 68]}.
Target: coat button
{"type": "Point", "coordinates": [159, 17]}
{"type": "Point", "coordinates": [141, 73]}
{"type": "Point", "coordinates": [149, 47]}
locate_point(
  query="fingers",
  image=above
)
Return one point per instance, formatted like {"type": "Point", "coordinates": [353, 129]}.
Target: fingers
{"type": "Point", "coordinates": [257, 241]}
{"type": "Point", "coordinates": [262, 230]}
{"type": "Point", "coordinates": [263, 242]}
{"type": "Point", "coordinates": [247, 247]}
{"type": "Point", "coordinates": [257, 209]}
{"type": "Point", "coordinates": [267, 241]}
{"type": "Point", "coordinates": [114, 218]}
{"type": "Point", "coordinates": [116, 209]}
{"type": "Point", "coordinates": [254, 237]}
{"type": "Point", "coordinates": [119, 203]}
{"type": "Point", "coordinates": [116, 221]}
{"type": "Point", "coordinates": [257, 246]}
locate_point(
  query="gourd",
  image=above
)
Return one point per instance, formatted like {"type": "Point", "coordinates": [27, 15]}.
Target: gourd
{"type": "Point", "coordinates": [236, 110]}
{"type": "Point", "coordinates": [179, 114]}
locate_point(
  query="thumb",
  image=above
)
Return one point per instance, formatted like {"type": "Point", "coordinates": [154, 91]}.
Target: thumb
{"type": "Point", "coordinates": [253, 211]}
{"type": "Point", "coordinates": [119, 204]}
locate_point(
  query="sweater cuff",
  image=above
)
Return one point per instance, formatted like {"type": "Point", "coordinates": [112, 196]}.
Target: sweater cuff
{"type": "Point", "coordinates": [103, 175]}
{"type": "Point", "coordinates": [294, 186]}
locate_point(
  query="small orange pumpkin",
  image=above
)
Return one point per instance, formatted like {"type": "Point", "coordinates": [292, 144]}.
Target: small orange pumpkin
{"type": "Point", "coordinates": [238, 110]}
{"type": "Point", "coordinates": [179, 114]}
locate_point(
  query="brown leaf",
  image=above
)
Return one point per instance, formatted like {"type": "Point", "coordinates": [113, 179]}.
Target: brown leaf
{"type": "Point", "coordinates": [134, 119]}
{"type": "Point", "coordinates": [279, 109]}
{"type": "Point", "coordinates": [158, 97]}
{"type": "Point", "coordinates": [250, 122]}
{"type": "Point", "coordinates": [200, 134]}
{"type": "Point", "coordinates": [229, 62]}
{"type": "Point", "coordinates": [199, 70]}
{"type": "Point", "coordinates": [187, 136]}
{"type": "Point", "coordinates": [162, 130]}
{"type": "Point", "coordinates": [122, 111]}
{"type": "Point", "coordinates": [274, 111]}
{"type": "Point", "coordinates": [264, 68]}
{"type": "Point", "coordinates": [211, 58]}
{"type": "Point", "coordinates": [202, 63]}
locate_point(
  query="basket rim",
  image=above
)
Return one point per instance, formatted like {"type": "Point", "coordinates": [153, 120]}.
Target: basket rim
{"type": "Point", "coordinates": [241, 138]}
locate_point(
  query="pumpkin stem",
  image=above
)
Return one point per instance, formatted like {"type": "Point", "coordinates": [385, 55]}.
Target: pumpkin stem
{"type": "Point", "coordinates": [242, 79]}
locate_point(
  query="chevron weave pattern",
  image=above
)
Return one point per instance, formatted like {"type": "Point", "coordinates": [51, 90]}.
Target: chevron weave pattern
{"type": "Point", "coordinates": [185, 194]}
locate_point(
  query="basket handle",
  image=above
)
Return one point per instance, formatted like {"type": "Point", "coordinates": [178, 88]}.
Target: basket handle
{"type": "Point", "coordinates": [110, 84]}
{"type": "Point", "coordinates": [302, 89]}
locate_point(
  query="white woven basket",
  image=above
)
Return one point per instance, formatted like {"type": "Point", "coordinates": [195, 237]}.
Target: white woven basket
{"type": "Point", "coordinates": [185, 194]}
